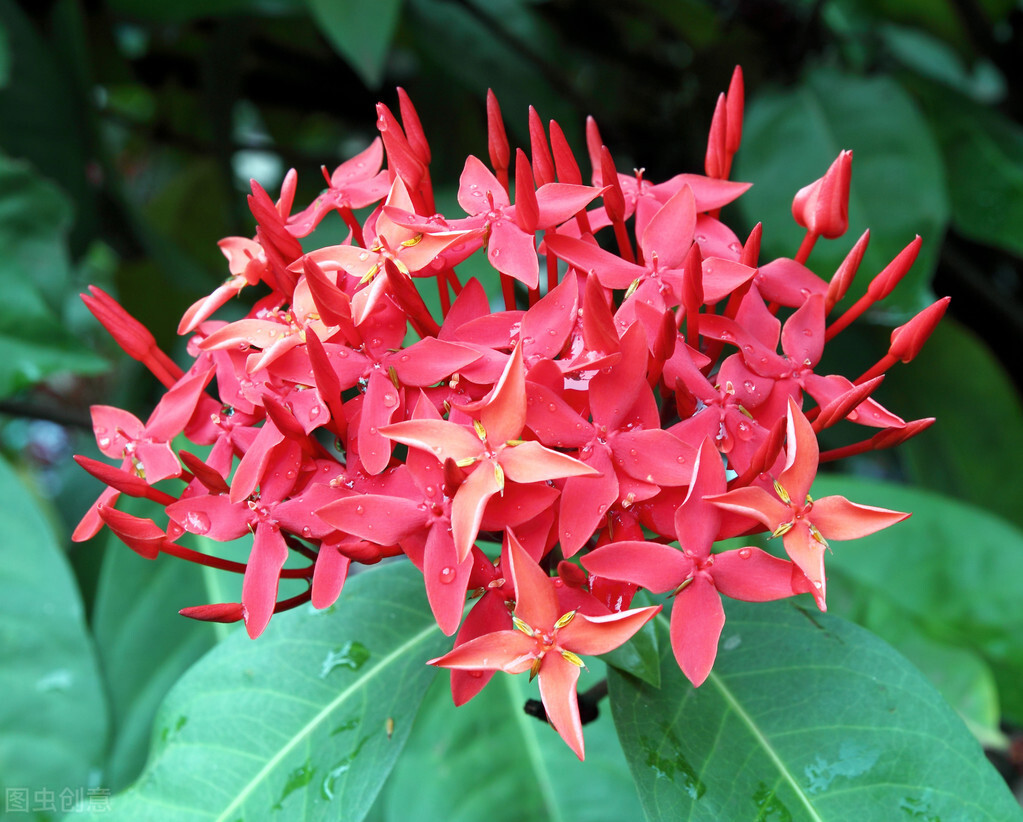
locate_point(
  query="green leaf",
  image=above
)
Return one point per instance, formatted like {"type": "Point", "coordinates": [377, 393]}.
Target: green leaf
{"type": "Point", "coordinates": [489, 760]}
{"type": "Point", "coordinates": [184, 10]}
{"type": "Point", "coordinates": [805, 717]}
{"type": "Point", "coordinates": [361, 32]}
{"type": "Point", "coordinates": [53, 716]}
{"type": "Point", "coordinates": [791, 137]}
{"type": "Point", "coordinates": [983, 152]}
{"type": "Point", "coordinates": [34, 219]}
{"type": "Point", "coordinates": [954, 456]}
{"type": "Point", "coordinates": [145, 646]}
{"type": "Point", "coordinates": [307, 720]}
{"type": "Point", "coordinates": [952, 567]}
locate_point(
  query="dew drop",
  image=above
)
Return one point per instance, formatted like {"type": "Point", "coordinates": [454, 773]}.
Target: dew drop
{"type": "Point", "coordinates": [390, 400]}
{"type": "Point", "coordinates": [447, 575]}
{"type": "Point", "coordinates": [197, 522]}
{"type": "Point", "coordinates": [749, 386]}
{"type": "Point", "coordinates": [745, 553]}
{"type": "Point", "coordinates": [307, 531]}
{"type": "Point", "coordinates": [314, 412]}
{"type": "Point", "coordinates": [359, 509]}
{"type": "Point", "coordinates": [104, 442]}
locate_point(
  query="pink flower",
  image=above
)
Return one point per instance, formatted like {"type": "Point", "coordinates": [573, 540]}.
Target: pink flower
{"type": "Point", "coordinates": [546, 643]}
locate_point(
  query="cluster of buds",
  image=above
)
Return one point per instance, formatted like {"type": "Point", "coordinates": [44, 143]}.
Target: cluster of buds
{"type": "Point", "coordinates": [601, 433]}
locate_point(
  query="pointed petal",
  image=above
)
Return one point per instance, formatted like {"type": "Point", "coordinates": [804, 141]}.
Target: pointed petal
{"type": "Point", "coordinates": [430, 360]}
{"type": "Point", "coordinates": [445, 440]}
{"type": "Point", "coordinates": [504, 416]}
{"type": "Point", "coordinates": [531, 462]}
{"type": "Point", "coordinates": [558, 202]}
{"type": "Point", "coordinates": [802, 336]}
{"type": "Point", "coordinates": [512, 251]}
{"type": "Point", "coordinates": [696, 622]}
{"type": "Point", "coordinates": [262, 574]}
{"type": "Point", "coordinates": [497, 651]}
{"type": "Point", "coordinates": [837, 518]}
{"type": "Point", "coordinates": [752, 575]}
{"type": "Point", "coordinates": [801, 455]}
{"type": "Point", "coordinates": [670, 231]}
{"type": "Point", "coordinates": [697, 521]}
{"type": "Point", "coordinates": [756, 503]}
{"type": "Point", "coordinates": [535, 601]}
{"type": "Point", "coordinates": [468, 504]}
{"type": "Point", "coordinates": [558, 677]}
{"type": "Point", "coordinates": [808, 554]}
{"type": "Point", "coordinates": [382, 520]}
{"type": "Point", "coordinates": [658, 568]}
{"type": "Point", "coordinates": [654, 455]}
{"type": "Point", "coordinates": [584, 502]}
{"type": "Point", "coordinates": [329, 575]}
{"type": "Point", "coordinates": [595, 635]}
{"type": "Point", "coordinates": [446, 578]}
{"type": "Point", "coordinates": [381, 403]}
{"type": "Point", "coordinates": [610, 269]}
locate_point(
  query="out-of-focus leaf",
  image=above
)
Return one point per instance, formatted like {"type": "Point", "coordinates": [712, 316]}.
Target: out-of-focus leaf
{"type": "Point", "coordinates": [42, 117]}
{"type": "Point", "coordinates": [791, 137]}
{"type": "Point", "coordinates": [953, 568]}
{"type": "Point", "coordinates": [983, 152]}
{"type": "Point", "coordinates": [805, 717]}
{"type": "Point", "coordinates": [144, 645]}
{"type": "Point", "coordinates": [980, 419]}
{"type": "Point", "coordinates": [184, 10]}
{"type": "Point", "coordinates": [361, 32]}
{"type": "Point", "coordinates": [306, 721]}
{"type": "Point", "coordinates": [53, 715]}
{"type": "Point", "coordinates": [488, 759]}
{"type": "Point", "coordinates": [34, 218]}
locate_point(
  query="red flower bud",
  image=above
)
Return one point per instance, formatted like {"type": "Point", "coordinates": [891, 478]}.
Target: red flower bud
{"type": "Point", "coordinates": [822, 207]}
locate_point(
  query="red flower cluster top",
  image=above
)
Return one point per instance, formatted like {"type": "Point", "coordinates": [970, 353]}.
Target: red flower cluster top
{"type": "Point", "coordinates": [604, 430]}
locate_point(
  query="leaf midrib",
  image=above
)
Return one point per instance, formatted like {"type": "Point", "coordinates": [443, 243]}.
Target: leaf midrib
{"type": "Point", "coordinates": [715, 679]}
{"type": "Point", "coordinates": [329, 708]}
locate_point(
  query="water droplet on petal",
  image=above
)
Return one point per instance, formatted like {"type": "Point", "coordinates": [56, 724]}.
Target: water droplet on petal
{"type": "Point", "coordinates": [359, 509]}
{"type": "Point", "coordinates": [197, 522]}
{"type": "Point", "coordinates": [447, 575]}
{"type": "Point", "coordinates": [745, 553]}
{"type": "Point", "coordinates": [390, 400]}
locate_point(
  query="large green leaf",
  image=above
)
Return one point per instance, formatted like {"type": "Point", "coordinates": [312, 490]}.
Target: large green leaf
{"type": "Point", "coordinates": [361, 32]}
{"type": "Point", "coordinates": [805, 717]}
{"type": "Point", "coordinates": [306, 721]}
{"type": "Point", "coordinates": [791, 136]}
{"type": "Point", "coordinates": [489, 760]}
{"type": "Point", "coordinates": [984, 156]}
{"type": "Point", "coordinates": [952, 568]}
{"type": "Point", "coordinates": [53, 717]}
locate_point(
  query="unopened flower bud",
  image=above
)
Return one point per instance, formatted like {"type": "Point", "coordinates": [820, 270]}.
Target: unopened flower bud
{"type": "Point", "coordinates": [822, 207]}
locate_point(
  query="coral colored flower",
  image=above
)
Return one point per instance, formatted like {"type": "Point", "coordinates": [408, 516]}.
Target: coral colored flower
{"type": "Point", "coordinates": [805, 524]}
{"type": "Point", "coordinates": [695, 575]}
{"type": "Point", "coordinates": [547, 643]}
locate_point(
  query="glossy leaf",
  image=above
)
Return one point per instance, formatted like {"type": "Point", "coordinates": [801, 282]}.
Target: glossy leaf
{"type": "Point", "coordinates": [790, 138]}
{"type": "Point", "coordinates": [307, 721]}
{"type": "Point", "coordinates": [952, 567]}
{"type": "Point", "coordinates": [805, 717]}
{"type": "Point", "coordinates": [489, 759]}
{"type": "Point", "coordinates": [53, 713]}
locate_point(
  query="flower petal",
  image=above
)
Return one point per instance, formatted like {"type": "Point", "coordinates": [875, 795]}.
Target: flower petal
{"type": "Point", "coordinates": [558, 677]}
{"type": "Point", "coordinates": [696, 622]}
{"type": "Point", "coordinates": [837, 518]}
{"type": "Point", "coordinates": [658, 568]}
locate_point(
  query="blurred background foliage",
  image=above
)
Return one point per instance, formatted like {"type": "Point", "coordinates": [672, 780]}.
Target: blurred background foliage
{"type": "Point", "coordinates": [129, 131]}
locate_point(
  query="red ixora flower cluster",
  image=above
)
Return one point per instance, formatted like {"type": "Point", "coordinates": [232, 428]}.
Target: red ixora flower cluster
{"type": "Point", "coordinates": [605, 430]}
